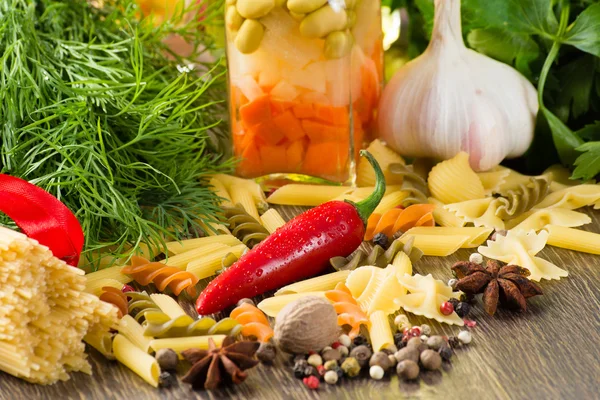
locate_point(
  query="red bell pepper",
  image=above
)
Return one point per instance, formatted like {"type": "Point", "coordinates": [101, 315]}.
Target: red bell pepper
{"type": "Point", "coordinates": [298, 250]}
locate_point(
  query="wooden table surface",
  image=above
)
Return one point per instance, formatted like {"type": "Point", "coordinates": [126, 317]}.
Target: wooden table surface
{"type": "Point", "coordinates": [549, 352]}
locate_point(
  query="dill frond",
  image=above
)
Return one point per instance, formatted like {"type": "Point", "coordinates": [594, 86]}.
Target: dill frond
{"type": "Point", "coordinates": [93, 111]}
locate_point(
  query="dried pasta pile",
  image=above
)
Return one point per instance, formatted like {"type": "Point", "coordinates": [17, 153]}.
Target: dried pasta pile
{"type": "Point", "coordinates": [44, 312]}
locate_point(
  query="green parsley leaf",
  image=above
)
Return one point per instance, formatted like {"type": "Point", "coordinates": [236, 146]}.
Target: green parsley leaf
{"type": "Point", "coordinates": [577, 82]}
{"type": "Point", "coordinates": [588, 164]}
{"type": "Point", "coordinates": [590, 132]}
{"type": "Point", "coordinates": [506, 46]}
{"type": "Point", "coordinates": [585, 31]}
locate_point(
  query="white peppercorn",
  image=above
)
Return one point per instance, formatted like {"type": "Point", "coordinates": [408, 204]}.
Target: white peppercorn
{"type": "Point", "coordinates": [425, 329]}
{"type": "Point", "coordinates": [376, 372]}
{"type": "Point", "coordinates": [476, 258]}
{"type": "Point", "coordinates": [345, 340]}
{"type": "Point", "coordinates": [331, 377]}
{"type": "Point", "coordinates": [330, 365]}
{"type": "Point", "coordinates": [245, 301]}
{"type": "Point", "coordinates": [343, 350]}
{"type": "Point", "coordinates": [465, 337]}
{"type": "Point", "coordinates": [452, 283]}
{"type": "Point", "coordinates": [315, 360]}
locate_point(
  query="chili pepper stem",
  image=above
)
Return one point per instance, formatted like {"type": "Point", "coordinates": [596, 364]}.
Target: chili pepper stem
{"type": "Point", "coordinates": [366, 207]}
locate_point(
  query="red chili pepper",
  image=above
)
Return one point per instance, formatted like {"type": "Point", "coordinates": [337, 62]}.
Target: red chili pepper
{"type": "Point", "coordinates": [298, 250]}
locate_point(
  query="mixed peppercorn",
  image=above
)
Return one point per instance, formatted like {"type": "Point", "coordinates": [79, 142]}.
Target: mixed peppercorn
{"type": "Point", "coordinates": [412, 352]}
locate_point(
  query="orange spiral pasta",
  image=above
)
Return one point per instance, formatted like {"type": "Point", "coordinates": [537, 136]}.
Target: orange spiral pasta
{"type": "Point", "coordinates": [348, 310]}
{"type": "Point", "coordinates": [145, 272]}
{"type": "Point", "coordinates": [398, 219]}
{"type": "Point", "coordinates": [253, 321]}
{"type": "Point", "coordinates": [117, 298]}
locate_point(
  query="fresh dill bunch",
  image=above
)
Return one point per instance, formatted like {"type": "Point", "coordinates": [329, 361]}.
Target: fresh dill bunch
{"type": "Point", "coordinates": [93, 110]}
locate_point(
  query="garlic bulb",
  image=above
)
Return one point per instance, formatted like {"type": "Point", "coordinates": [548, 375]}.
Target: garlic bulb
{"type": "Point", "coordinates": [453, 99]}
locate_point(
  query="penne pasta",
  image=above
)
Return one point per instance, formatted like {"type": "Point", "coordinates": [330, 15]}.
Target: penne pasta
{"type": "Point", "coordinates": [444, 217]}
{"type": "Point", "coordinates": [272, 220]}
{"type": "Point", "coordinates": [438, 245]}
{"type": "Point", "coordinates": [390, 201]}
{"type": "Point", "coordinates": [213, 228]}
{"type": "Point", "coordinates": [107, 273]}
{"type": "Point", "coordinates": [191, 244]}
{"type": "Point", "coordinates": [95, 286]}
{"type": "Point", "coordinates": [306, 195]}
{"type": "Point", "coordinates": [272, 305]}
{"type": "Point", "coordinates": [211, 263]}
{"type": "Point", "coordinates": [183, 259]}
{"type": "Point", "coordinates": [219, 189]}
{"type": "Point", "coordinates": [136, 360]}
{"type": "Point", "coordinates": [134, 332]}
{"type": "Point", "coordinates": [573, 239]}
{"type": "Point", "coordinates": [477, 235]}
{"type": "Point", "coordinates": [317, 284]}
{"type": "Point", "coordinates": [380, 331]}
{"type": "Point", "coordinates": [248, 185]}
{"type": "Point", "coordinates": [240, 195]}
{"type": "Point", "coordinates": [168, 305]}
{"type": "Point", "coordinates": [183, 343]}
{"type": "Point", "coordinates": [101, 341]}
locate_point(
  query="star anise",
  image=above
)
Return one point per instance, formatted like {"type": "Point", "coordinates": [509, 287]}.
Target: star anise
{"type": "Point", "coordinates": [504, 284]}
{"type": "Point", "coordinates": [220, 365]}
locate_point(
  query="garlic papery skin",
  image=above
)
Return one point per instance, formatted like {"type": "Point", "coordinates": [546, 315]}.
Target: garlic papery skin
{"type": "Point", "coordinates": [453, 99]}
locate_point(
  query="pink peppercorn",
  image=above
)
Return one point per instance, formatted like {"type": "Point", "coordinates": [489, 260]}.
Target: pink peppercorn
{"type": "Point", "coordinates": [335, 345]}
{"type": "Point", "coordinates": [446, 308]}
{"type": "Point", "coordinates": [127, 288]}
{"type": "Point", "coordinates": [470, 323]}
{"type": "Point", "coordinates": [311, 352]}
{"type": "Point", "coordinates": [415, 331]}
{"type": "Point", "coordinates": [311, 382]}
{"type": "Point", "coordinates": [321, 370]}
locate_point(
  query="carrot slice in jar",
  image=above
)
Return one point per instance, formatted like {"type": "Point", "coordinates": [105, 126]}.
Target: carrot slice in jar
{"type": "Point", "coordinates": [256, 111]}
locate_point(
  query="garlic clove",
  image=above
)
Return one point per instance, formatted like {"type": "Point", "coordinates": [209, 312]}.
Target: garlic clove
{"type": "Point", "coordinates": [453, 99]}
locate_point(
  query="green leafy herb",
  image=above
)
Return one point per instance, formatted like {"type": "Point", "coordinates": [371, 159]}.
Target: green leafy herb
{"type": "Point", "coordinates": [557, 46]}
{"type": "Point", "coordinates": [93, 110]}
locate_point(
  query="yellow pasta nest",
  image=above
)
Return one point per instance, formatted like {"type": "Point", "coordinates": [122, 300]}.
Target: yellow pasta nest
{"type": "Point", "coordinates": [453, 181]}
{"type": "Point", "coordinates": [45, 312]}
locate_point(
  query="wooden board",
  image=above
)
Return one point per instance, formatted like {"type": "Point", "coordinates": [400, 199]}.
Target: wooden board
{"type": "Point", "coordinates": [549, 352]}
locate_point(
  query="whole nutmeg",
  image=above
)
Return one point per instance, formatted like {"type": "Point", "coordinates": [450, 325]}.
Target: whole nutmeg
{"type": "Point", "coordinates": [362, 354]}
{"type": "Point", "coordinates": [431, 360]}
{"type": "Point", "coordinates": [407, 353]}
{"type": "Point", "coordinates": [309, 323]}
{"type": "Point", "coordinates": [380, 358]}
{"type": "Point", "coordinates": [435, 342]}
{"type": "Point", "coordinates": [331, 354]}
{"type": "Point", "coordinates": [407, 369]}
{"type": "Point", "coordinates": [167, 359]}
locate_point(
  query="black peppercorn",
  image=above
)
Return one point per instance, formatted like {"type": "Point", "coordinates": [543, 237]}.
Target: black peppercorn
{"type": "Point", "coordinates": [462, 309]}
{"type": "Point", "coordinates": [398, 339]}
{"type": "Point", "coordinates": [339, 372]}
{"type": "Point", "coordinates": [310, 370]}
{"type": "Point", "coordinates": [382, 240]}
{"type": "Point", "coordinates": [446, 353]}
{"type": "Point", "coordinates": [453, 342]}
{"type": "Point", "coordinates": [166, 379]}
{"type": "Point", "coordinates": [299, 368]}
{"type": "Point", "coordinates": [360, 341]}
{"type": "Point", "coordinates": [454, 302]}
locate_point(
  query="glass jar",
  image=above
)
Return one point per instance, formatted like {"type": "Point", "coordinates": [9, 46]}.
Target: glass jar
{"type": "Point", "coordinates": [304, 82]}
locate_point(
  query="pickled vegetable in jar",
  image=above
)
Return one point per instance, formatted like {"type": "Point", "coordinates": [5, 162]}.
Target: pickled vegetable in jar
{"type": "Point", "coordinates": [304, 82]}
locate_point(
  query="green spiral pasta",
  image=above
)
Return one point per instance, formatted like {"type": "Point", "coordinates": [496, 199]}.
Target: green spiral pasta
{"type": "Point", "coordinates": [139, 304]}
{"type": "Point", "coordinates": [412, 183]}
{"type": "Point", "coordinates": [522, 199]}
{"type": "Point", "coordinates": [160, 325]}
{"type": "Point", "coordinates": [377, 256]}
{"type": "Point", "coordinates": [244, 226]}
